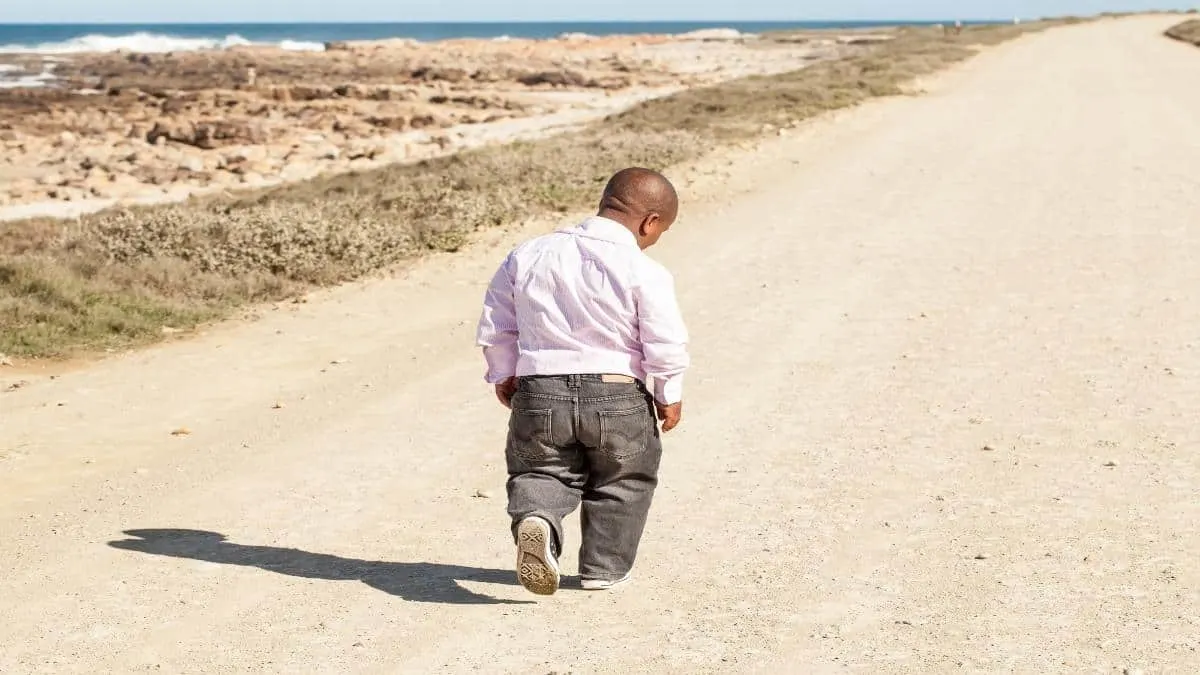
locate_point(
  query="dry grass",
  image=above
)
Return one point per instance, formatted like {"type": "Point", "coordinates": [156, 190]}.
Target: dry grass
{"type": "Point", "coordinates": [116, 278]}
{"type": "Point", "coordinates": [1188, 31]}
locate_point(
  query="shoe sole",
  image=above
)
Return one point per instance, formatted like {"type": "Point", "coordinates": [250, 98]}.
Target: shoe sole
{"type": "Point", "coordinates": [536, 568]}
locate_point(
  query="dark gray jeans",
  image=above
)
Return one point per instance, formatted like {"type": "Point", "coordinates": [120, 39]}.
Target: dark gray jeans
{"type": "Point", "coordinates": [576, 438]}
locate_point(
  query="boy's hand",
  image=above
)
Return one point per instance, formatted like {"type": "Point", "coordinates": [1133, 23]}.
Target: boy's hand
{"type": "Point", "coordinates": [505, 391]}
{"type": "Point", "coordinates": [669, 414]}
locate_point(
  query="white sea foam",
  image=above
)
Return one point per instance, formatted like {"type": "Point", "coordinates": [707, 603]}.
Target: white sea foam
{"type": "Point", "coordinates": [299, 46]}
{"type": "Point", "coordinates": [148, 43]}
{"type": "Point", "coordinates": [25, 81]}
{"type": "Point", "coordinates": [15, 77]}
{"type": "Point", "coordinates": [715, 34]}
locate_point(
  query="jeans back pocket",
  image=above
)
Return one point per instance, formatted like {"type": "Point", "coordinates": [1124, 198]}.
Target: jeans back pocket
{"type": "Point", "coordinates": [530, 433]}
{"type": "Point", "coordinates": [624, 433]}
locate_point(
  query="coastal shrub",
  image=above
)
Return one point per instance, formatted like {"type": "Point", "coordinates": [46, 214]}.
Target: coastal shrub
{"type": "Point", "coordinates": [1188, 31]}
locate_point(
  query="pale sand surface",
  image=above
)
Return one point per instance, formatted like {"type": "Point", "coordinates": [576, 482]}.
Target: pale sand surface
{"type": "Point", "coordinates": [1009, 261]}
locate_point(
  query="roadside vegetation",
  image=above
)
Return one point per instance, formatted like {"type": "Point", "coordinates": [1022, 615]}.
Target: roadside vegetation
{"type": "Point", "coordinates": [1188, 31]}
{"type": "Point", "coordinates": [116, 279]}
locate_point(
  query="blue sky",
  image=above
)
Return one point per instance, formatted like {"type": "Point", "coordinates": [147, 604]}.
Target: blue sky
{"type": "Point", "coordinates": [156, 11]}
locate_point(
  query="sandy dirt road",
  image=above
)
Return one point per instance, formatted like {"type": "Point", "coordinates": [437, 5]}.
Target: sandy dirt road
{"type": "Point", "coordinates": [942, 419]}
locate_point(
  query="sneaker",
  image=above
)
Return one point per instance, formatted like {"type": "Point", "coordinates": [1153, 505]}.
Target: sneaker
{"type": "Point", "coordinates": [537, 570]}
{"type": "Point", "coordinates": [605, 585]}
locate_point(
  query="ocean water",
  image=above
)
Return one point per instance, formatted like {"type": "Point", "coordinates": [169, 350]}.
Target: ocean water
{"type": "Point", "coordinates": [70, 38]}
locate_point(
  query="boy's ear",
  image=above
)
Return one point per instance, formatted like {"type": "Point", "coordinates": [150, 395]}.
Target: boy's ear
{"type": "Point", "coordinates": [651, 220]}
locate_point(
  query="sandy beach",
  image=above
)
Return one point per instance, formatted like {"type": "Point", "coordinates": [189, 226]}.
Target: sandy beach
{"type": "Point", "coordinates": [941, 419]}
{"type": "Point", "coordinates": [123, 127]}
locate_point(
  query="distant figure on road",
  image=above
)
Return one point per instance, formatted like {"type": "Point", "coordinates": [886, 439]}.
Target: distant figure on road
{"type": "Point", "coordinates": [574, 325]}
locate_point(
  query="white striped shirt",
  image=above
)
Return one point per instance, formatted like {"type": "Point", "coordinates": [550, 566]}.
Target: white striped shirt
{"type": "Point", "coordinates": [585, 300]}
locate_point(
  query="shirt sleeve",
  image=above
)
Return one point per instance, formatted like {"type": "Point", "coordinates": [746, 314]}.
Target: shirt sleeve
{"type": "Point", "coordinates": [663, 334]}
{"type": "Point", "coordinates": [497, 330]}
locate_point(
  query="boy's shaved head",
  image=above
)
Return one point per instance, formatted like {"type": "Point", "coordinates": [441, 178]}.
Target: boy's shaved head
{"type": "Point", "coordinates": [642, 200]}
{"type": "Point", "coordinates": [638, 192]}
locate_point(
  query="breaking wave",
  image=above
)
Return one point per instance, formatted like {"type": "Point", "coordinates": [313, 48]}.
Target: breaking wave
{"type": "Point", "coordinates": [149, 43]}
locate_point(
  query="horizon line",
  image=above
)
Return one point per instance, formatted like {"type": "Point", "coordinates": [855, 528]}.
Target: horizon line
{"type": "Point", "coordinates": [497, 22]}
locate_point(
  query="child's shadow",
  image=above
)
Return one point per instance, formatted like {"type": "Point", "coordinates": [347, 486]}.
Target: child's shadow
{"type": "Point", "coordinates": [416, 582]}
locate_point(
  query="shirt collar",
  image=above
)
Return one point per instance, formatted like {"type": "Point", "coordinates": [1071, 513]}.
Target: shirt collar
{"type": "Point", "coordinates": [606, 229]}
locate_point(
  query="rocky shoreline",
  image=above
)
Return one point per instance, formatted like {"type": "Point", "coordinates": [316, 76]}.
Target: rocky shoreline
{"type": "Point", "coordinates": [136, 128]}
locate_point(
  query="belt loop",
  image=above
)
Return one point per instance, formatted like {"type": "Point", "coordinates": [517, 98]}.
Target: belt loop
{"type": "Point", "coordinates": [574, 381]}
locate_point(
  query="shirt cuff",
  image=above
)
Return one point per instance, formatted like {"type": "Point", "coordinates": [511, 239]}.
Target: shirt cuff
{"type": "Point", "coordinates": [669, 391]}
{"type": "Point", "coordinates": [502, 363]}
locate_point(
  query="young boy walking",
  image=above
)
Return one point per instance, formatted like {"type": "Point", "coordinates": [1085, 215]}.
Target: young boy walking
{"type": "Point", "coordinates": [585, 344]}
